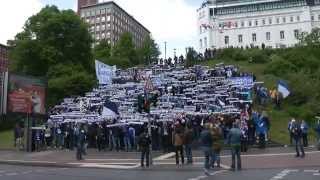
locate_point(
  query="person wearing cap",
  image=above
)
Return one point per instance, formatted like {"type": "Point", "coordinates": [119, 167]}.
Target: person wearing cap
{"type": "Point", "coordinates": [234, 140]}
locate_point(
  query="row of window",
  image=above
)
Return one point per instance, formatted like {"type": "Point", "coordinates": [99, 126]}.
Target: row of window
{"type": "Point", "coordinates": [254, 37]}
{"type": "Point", "coordinates": [262, 22]}
{"type": "Point", "coordinates": [260, 7]}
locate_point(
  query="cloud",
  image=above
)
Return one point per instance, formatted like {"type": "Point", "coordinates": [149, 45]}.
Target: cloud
{"type": "Point", "coordinates": [13, 14]}
{"type": "Point", "coordinates": [173, 21]}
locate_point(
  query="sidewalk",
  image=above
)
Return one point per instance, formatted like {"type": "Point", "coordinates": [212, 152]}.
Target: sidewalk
{"type": "Point", "coordinates": [255, 158]}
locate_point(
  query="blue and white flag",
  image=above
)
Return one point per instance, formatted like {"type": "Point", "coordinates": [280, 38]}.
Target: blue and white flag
{"type": "Point", "coordinates": [283, 88]}
{"type": "Point", "coordinates": [104, 73]}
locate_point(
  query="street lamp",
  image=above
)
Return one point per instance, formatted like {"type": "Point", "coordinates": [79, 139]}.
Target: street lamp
{"type": "Point", "coordinates": [165, 50]}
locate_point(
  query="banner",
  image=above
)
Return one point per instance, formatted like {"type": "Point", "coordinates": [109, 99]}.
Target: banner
{"type": "Point", "coordinates": [283, 88]}
{"type": "Point", "coordinates": [26, 95]}
{"type": "Point", "coordinates": [241, 81]}
{"type": "Point", "coordinates": [105, 73]}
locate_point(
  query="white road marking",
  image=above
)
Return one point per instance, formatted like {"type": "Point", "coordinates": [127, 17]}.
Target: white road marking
{"type": "Point", "coordinates": [316, 174]}
{"type": "Point", "coordinates": [311, 171]}
{"type": "Point", "coordinates": [2, 172]}
{"type": "Point", "coordinates": [205, 176]}
{"type": "Point", "coordinates": [263, 155]}
{"type": "Point", "coordinates": [284, 173]}
{"type": "Point", "coordinates": [112, 159]}
{"type": "Point", "coordinates": [11, 174]}
{"type": "Point", "coordinates": [110, 166]}
{"type": "Point", "coordinates": [165, 156]}
{"type": "Point", "coordinates": [26, 172]}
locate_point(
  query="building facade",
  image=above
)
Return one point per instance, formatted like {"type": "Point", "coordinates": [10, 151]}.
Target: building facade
{"type": "Point", "coordinates": [108, 21]}
{"type": "Point", "coordinates": [255, 23]}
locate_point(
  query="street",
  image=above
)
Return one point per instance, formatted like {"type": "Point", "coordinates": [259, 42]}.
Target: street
{"type": "Point", "coordinates": [8, 172]}
{"type": "Point", "coordinates": [268, 164]}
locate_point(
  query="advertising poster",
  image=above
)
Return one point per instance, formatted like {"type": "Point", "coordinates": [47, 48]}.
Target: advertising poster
{"type": "Point", "coordinates": [26, 95]}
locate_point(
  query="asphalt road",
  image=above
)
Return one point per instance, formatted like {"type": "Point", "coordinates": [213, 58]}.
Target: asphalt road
{"type": "Point", "coordinates": [48, 173]}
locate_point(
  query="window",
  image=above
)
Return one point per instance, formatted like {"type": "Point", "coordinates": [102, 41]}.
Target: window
{"type": "Point", "coordinates": [312, 18]}
{"type": "Point", "coordinates": [270, 21]}
{"type": "Point", "coordinates": [298, 18]}
{"type": "Point", "coordinates": [236, 24]}
{"type": "Point", "coordinates": [250, 23]}
{"type": "Point", "coordinates": [211, 11]}
{"type": "Point", "coordinates": [284, 19]}
{"type": "Point", "coordinates": [296, 33]}
{"type": "Point", "coordinates": [254, 37]}
{"type": "Point", "coordinates": [256, 23]}
{"type": "Point", "coordinates": [268, 36]}
{"type": "Point", "coordinates": [240, 38]}
{"type": "Point", "coordinates": [319, 17]}
{"type": "Point", "coordinates": [281, 34]}
{"type": "Point", "coordinates": [291, 19]}
{"type": "Point", "coordinates": [108, 18]}
{"type": "Point", "coordinates": [278, 20]}
{"type": "Point", "coordinates": [263, 21]}
{"type": "Point", "coordinates": [226, 40]}
{"type": "Point", "coordinates": [242, 24]}
{"type": "Point", "coordinates": [200, 43]}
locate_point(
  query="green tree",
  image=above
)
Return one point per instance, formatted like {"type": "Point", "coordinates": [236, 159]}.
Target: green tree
{"type": "Point", "coordinates": [125, 50]}
{"type": "Point", "coordinates": [57, 45]}
{"type": "Point", "coordinates": [149, 51]}
{"type": "Point", "coordinates": [191, 57]}
{"type": "Point", "coordinates": [102, 51]}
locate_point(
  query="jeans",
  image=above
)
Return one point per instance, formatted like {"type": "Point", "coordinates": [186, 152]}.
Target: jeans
{"type": "Point", "coordinates": [207, 154]}
{"type": "Point", "coordinates": [127, 144]}
{"type": "Point", "coordinates": [305, 139]}
{"type": "Point", "coordinates": [215, 157]}
{"type": "Point", "coordinates": [188, 153]}
{"type": "Point", "coordinates": [145, 153]}
{"type": "Point", "coordinates": [299, 146]}
{"type": "Point", "coordinates": [179, 149]}
{"type": "Point", "coordinates": [235, 151]}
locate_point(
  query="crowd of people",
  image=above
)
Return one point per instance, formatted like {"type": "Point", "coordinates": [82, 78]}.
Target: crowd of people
{"type": "Point", "coordinates": [197, 107]}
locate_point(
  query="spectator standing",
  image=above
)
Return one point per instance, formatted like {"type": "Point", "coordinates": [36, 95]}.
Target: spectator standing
{"type": "Point", "coordinates": [206, 143]}
{"type": "Point", "coordinates": [188, 139]}
{"type": "Point", "coordinates": [297, 135]}
{"type": "Point", "coordinates": [217, 141]}
{"type": "Point", "coordinates": [234, 139]}
{"type": "Point", "coordinates": [144, 142]}
{"type": "Point", "coordinates": [177, 139]}
{"type": "Point", "coordinates": [304, 130]}
{"type": "Point", "coordinates": [317, 129]}
{"type": "Point", "coordinates": [81, 143]}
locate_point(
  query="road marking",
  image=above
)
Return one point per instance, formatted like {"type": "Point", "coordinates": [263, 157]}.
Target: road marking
{"type": "Point", "coordinates": [311, 171]}
{"type": "Point", "coordinates": [26, 172]}
{"type": "Point", "coordinates": [2, 172]}
{"type": "Point", "coordinates": [263, 155]}
{"type": "Point", "coordinates": [165, 156]}
{"type": "Point", "coordinates": [11, 174]}
{"type": "Point", "coordinates": [110, 166]}
{"type": "Point", "coordinates": [284, 173]}
{"type": "Point", "coordinates": [205, 176]}
{"type": "Point", "coordinates": [316, 174]}
{"type": "Point", "coordinates": [112, 159]}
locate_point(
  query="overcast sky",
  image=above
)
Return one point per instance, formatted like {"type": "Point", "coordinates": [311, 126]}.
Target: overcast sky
{"type": "Point", "coordinates": [173, 21]}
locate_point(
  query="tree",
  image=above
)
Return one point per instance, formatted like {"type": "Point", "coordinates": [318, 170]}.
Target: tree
{"type": "Point", "coordinates": [57, 45]}
{"type": "Point", "coordinates": [191, 57]}
{"type": "Point", "coordinates": [102, 51]}
{"type": "Point", "coordinates": [124, 49]}
{"type": "Point", "coordinates": [310, 39]}
{"type": "Point", "coordinates": [149, 51]}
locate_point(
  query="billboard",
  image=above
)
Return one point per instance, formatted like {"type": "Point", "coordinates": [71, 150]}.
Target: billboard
{"type": "Point", "coordinates": [26, 95]}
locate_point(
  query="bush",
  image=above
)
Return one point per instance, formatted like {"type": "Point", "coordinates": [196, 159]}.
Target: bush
{"type": "Point", "coordinates": [279, 66]}
{"type": "Point", "coordinates": [258, 56]}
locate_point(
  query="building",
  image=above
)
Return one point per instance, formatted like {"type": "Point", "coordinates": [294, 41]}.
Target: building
{"type": "Point", "coordinates": [255, 23]}
{"type": "Point", "coordinates": [4, 61]}
{"type": "Point", "coordinates": [109, 21]}
{"type": "Point", "coordinates": [82, 3]}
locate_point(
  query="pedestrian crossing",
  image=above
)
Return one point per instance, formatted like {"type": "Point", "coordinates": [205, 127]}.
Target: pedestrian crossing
{"type": "Point", "coordinates": [9, 172]}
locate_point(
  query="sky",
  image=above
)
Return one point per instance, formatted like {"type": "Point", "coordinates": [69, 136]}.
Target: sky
{"type": "Point", "coordinates": [171, 21]}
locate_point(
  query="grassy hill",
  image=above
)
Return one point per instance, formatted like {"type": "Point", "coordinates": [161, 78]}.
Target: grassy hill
{"type": "Point", "coordinates": [269, 66]}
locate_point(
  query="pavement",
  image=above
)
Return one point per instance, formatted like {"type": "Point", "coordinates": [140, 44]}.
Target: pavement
{"type": "Point", "coordinates": [268, 164]}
